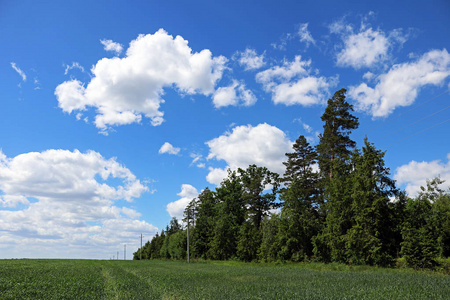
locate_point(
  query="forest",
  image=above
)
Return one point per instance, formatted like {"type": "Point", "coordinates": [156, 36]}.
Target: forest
{"type": "Point", "coordinates": [334, 203]}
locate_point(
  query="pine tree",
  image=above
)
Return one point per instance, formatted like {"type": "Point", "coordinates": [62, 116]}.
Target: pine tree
{"type": "Point", "coordinates": [334, 151]}
{"type": "Point", "coordinates": [335, 143]}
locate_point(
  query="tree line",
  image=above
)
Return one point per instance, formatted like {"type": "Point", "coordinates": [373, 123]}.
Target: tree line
{"type": "Point", "coordinates": [335, 203]}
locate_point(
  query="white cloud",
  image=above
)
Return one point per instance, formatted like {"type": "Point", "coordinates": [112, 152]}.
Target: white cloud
{"type": "Point", "coordinates": [363, 49]}
{"type": "Point", "coordinates": [176, 208]}
{"type": "Point", "coordinates": [235, 94]}
{"type": "Point", "coordinates": [168, 148]}
{"type": "Point", "coordinates": [75, 65]}
{"type": "Point", "coordinates": [415, 174]}
{"type": "Point", "coordinates": [216, 175]}
{"type": "Point", "coordinates": [292, 83]}
{"type": "Point", "coordinates": [196, 159]}
{"type": "Point", "coordinates": [109, 45]}
{"type": "Point", "coordinates": [366, 47]}
{"type": "Point", "coordinates": [123, 90]}
{"type": "Point", "coordinates": [65, 200]}
{"type": "Point", "coordinates": [19, 71]}
{"type": "Point", "coordinates": [263, 145]}
{"type": "Point", "coordinates": [401, 84]}
{"type": "Point", "coordinates": [305, 35]}
{"type": "Point", "coordinates": [250, 59]}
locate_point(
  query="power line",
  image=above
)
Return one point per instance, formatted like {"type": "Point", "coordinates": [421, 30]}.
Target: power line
{"type": "Point", "coordinates": [429, 116]}
{"type": "Point", "coordinates": [404, 113]}
{"type": "Point", "coordinates": [417, 133]}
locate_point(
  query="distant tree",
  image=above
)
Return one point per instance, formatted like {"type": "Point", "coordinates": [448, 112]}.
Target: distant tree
{"type": "Point", "coordinates": [420, 234]}
{"type": "Point", "coordinates": [230, 208]}
{"type": "Point", "coordinates": [254, 182]}
{"type": "Point", "coordinates": [270, 245]}
{"type": "Point", "coordinates": [205, 222]}
{"type": "Point", "coordinates": [426, 230]}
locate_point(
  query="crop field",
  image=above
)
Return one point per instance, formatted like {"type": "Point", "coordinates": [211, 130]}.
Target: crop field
{"type": "Point", "coordinates": [94, 279]}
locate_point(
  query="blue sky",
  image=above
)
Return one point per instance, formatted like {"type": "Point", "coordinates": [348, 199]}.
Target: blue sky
{"type": "Point", "coordinates": [115, 114]}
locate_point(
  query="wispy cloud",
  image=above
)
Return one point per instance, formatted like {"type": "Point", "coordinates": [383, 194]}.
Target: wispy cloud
{"type": "Point", "coordinates": [19, 71]}
{"type": "Point", "coordinates": [75, 65]}
{"type": "Point", "coordinates": [305, 35]}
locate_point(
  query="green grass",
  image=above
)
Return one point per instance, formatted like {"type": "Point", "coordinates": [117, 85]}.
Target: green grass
{"type": "Point", "coordinates": [86, 279]}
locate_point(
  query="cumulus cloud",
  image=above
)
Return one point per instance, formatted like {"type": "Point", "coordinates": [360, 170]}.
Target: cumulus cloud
{"type": "Point", "coordinates": [216, 175]}
{"type": "Point", "coordinates": [66, 198]}
{"type": "Point", "coordinates": [109, 45]}
{"type": "Point", "coordinates": [400, 86]}
{"type": "Point", "coordinates": [263, 145]}
{"type": "Point", "coordinates": [168, 148]}
{"type": "Point", "coordinates": [176, 208]}
{"type": "Point", "coordinates": [293, 83]}
{"type": "Point", "coordinates": [365, 47]}
{"type": "Point", "coordinates": [415, 174]}
{"type": "Point", "coordinates": [19, 71]}
{"type": "Point", "coordinates": [235, 94]}
{"type": "Point", "coordinates": [123, 90]}
{"type": "Point", "coordinates": [250, 60]}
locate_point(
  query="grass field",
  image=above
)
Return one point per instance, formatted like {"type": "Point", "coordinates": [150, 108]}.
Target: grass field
{"type": "Point", "coordinates": [93, 279]}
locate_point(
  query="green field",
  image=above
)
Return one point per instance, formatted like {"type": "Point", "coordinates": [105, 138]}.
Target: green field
{"type": "Point", "coordinates": [94, 279]}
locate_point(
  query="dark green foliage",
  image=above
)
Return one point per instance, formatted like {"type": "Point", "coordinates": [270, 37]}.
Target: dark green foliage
{"type": "Point", "coordinates": [330, 243]}
{"type": "Point", "coordinates": [231, 209]}
{"type": "Point", "coordinates": [204, 223]}
{"type": "Point", "coordinates": [348, 210]}
{"type": "Point", "coordinates": [254, 181]}
{"type": "Point", "coordinates": [270, 240]}
{"type": "Point", "coordinates": [425, 231]}
{"type": "Point", "coordinates": [299, 164]}
{"type": "Point", "coordinates": [335, 143]}
{"type": "Point", "coordinates": [249, 242]}
{"type": "Point", "coordinates": [369, 240]}
{"type": "Point", "coordinates": [420, 237]}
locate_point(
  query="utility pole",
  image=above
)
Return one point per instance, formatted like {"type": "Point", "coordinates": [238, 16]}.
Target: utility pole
{"type": "Point", "coordinates": [188, 236]}
{"type": "Point", "coordinates": [117, 255]}
{"type": "Point", "coordinates": [140, 250]}
{"type": "Point", "coordinates": [125, 252]}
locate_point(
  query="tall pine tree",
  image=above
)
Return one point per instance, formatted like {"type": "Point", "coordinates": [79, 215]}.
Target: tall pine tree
{"type": "Point", "coordinates": [334, 151]}
{"type": "Point", "coordinates": [335, 142]}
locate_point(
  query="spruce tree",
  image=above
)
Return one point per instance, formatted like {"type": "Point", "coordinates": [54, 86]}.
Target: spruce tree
{"type": "Point", "coordinates": [300, 215]}
{"type": "Point", "coordinates": [370, 240]}
{"type": "Point", "coordinates": [300, 162]}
